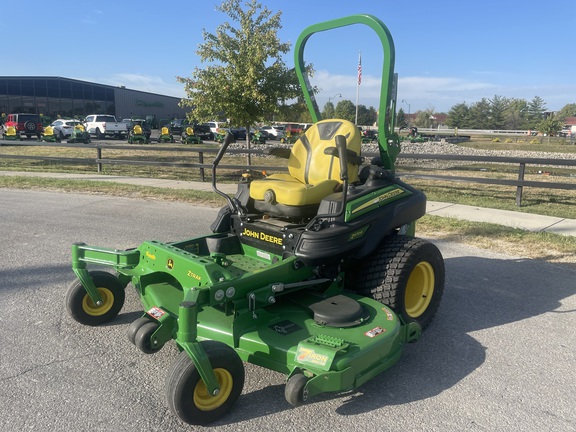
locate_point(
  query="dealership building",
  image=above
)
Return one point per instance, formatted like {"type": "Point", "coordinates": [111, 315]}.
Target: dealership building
{"type": "Point", "coordinates": [63, 97]}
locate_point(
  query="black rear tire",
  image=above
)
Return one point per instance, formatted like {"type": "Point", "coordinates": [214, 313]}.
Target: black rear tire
{"type": "Point", "coordinates": [407, 274]}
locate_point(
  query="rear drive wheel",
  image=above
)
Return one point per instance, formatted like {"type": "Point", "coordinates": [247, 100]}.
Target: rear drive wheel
{"type": "Point", "coordinates": [81, 307]}
{"type": "Point", "coordinates": [187, 394]}
{"type": "Point", "coordinates": [406, 274]}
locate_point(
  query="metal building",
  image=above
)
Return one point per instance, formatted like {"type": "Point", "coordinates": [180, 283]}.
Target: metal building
{"type": "Point", "coordinates": [64, 97]}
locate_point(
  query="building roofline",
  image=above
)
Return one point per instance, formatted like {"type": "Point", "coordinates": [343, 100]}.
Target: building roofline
{"type": "Point", "coordinates": [85, 82]}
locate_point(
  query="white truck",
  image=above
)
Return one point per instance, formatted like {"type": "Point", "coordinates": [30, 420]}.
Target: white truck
{"type": "Point", "coordinates": [102, 125]}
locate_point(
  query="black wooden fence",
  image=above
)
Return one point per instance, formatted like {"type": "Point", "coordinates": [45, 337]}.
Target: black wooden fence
{"type": "Point", "coordinates": [100, 160]}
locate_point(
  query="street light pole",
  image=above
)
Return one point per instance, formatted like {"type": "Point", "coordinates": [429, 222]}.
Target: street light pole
{"type": "Point", "coordinates": [334, 97]}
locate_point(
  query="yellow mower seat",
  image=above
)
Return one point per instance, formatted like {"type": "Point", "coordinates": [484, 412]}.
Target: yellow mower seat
{"type": "Point", "coordinates": [48, 131]}
{"type": "Point", "coordinates": [189, 131]}
{"type": "Point", "coordinates": [312, 174]}
{"type": "Point", "coordinates": [164, 131]}
{"type": "Point", "coordinates": [11, 131]}
{"type": "Point", "coordinates": [137, 130]}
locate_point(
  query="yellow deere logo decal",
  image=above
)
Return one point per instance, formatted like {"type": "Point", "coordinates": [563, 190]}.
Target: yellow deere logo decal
{"type": "Point", "coordinates": [170, 263]}
{"type": "Point", "coordinates": [262, 236]}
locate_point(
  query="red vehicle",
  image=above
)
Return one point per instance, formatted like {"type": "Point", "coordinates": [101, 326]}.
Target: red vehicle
{"type": "Point", "coordinates": [25, 124]}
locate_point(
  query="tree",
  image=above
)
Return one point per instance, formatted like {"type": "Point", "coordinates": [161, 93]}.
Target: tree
{"type": "Point", "coordinates": [424, 119]}
{"type": "Point", "coordinates": [246, 78]}
{"type": "Point", "coordinates": [345, 110]}
{"type": "Point", "coordinates": [479, 114]}
{"type": "Point", "coordinates": [401, 120]}
{"type": "Point", "coordinates": [458, 116]}
{"type": "Point", "coordinates": [568, 110]}
{"type": "Point", "coordinates": [551, 125]}
{"type": "Point", "coordinates": [515, 114]}
{"type": "Point", "coordinates": [535, 112]}
{"type": "Point", "coordinates": [328, 111]}
{"type": "Point", "coordinates": [498, 105]}
{"type": "Point", "coordinates": [367, 116]}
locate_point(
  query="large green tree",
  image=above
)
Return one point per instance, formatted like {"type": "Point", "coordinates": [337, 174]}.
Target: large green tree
{"type": "Point", "coordinates": [535, 112]}
{"type": "Point", "coordinates": [401, 120]}
{"type": "Point", "coordinates": [345, 110]}
{"type": "Point", "coordinates": [551, 125]}
{"type": "Point", "coordinates": [367, 116]}
{"type": "Point", "coordinates": [515, 114]}
{"type": "Point", "coordinates": [245, 78]}
{"type": "Point", "coordinates": [328, 111]}
{"type": "Point", "coordinates": [498, 106]}
{"type": "Point", "coordinates": [479, 114]}
{"type": "Point", "coordinates": [458, 116]}
{"type": "Point", "coordinates": [568, 110]}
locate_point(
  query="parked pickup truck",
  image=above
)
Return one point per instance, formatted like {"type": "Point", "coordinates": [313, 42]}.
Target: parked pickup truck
{"type": "Point", "coordinates": [103, 125]}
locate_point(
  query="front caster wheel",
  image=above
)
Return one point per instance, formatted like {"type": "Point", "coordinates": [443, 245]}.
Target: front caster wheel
{"type": "Point", "coordinates": [81, 307]}
{"type": "Point", "coordinates": [294, 391]}
{"type": "Point", "coordinates": [187, 394]}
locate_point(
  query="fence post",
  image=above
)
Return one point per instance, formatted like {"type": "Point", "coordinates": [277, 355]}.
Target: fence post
{"type": "Point", "coordinates": [99, 156]}
{"type": "Point", "coordinates": [519, 187]}
{"type": "Point", "coordinates": [201, 160]}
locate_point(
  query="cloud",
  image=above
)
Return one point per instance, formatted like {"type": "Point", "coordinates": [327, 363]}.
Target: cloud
{"type": "Point", "coordinates": [422, 91]}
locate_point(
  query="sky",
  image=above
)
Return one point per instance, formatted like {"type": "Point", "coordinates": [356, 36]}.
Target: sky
{"type": "Point", "coordinates": [446, 52]}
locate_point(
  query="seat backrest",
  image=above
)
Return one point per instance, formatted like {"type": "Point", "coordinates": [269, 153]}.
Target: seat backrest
{"type": "Point", "coordinates": [11, 130]}
{"type": "Point", "coordinates": [164, 131]}
{"type": "Point", "coordinates": [309, 164]}
{"type": "Point", "coordinates": [138, 130]}
{"type": "Point", "coordinates": [48, 130]}
{"type": "Point", "coordinates": [189, 131]}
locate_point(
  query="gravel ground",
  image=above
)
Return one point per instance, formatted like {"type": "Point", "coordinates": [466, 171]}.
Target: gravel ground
{"type": "Point", "coordinates": [436, 147]}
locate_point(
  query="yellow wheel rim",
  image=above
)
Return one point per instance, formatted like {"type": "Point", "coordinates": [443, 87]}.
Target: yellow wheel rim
{"type": "Point", "coordinates": [419, 289]}
{"type": "Point", "coordinates": [206, 402]}
{"type": "Point", "coordinates": [107, 302]}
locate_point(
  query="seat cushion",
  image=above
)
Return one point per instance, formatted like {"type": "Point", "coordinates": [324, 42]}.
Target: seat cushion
{"type": "Point", "coordinates": [312, 173]}
{"type": "Point", "coordinates": [289, 191]}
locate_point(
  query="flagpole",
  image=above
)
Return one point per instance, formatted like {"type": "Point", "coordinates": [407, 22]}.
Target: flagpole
{"type": "Point", "coordinates": [358, 83]}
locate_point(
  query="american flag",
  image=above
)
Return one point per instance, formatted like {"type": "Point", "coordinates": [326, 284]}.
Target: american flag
{"type": "Point", "coordinates": [359, 69]}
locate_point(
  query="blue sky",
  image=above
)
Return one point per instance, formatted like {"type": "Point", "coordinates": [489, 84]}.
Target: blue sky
{"type": "Point", "coordinates": [447, 52]}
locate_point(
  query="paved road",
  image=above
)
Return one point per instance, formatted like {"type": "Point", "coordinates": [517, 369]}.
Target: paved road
{"type": "Point", "coordinates": [499, 356]}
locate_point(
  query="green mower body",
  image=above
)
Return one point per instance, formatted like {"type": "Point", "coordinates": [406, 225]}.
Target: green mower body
{"type": "Point", "coordinates": [327, 293]}
{"type": "Point", "coordinates": [189, 137]}
{"type": "Point", "coordinates": [79, 135]}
